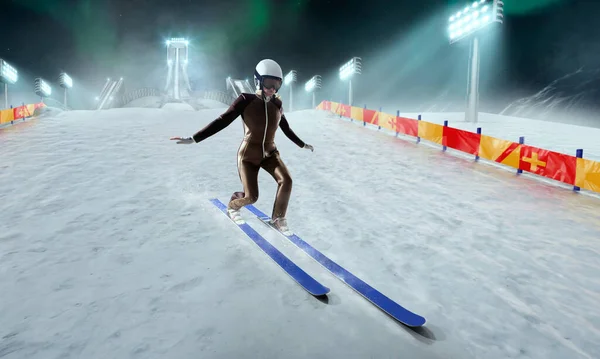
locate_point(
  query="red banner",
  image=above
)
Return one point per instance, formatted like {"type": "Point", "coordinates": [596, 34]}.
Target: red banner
{"type": "Point", "coordinates": [407, 126]}
{"type": "Point", "coordinates": [549, 164]}
{"type": "Point", "coordinates": [345, 110]}
{"type": "Point", "coordinates": [21, 112]}
{"type": "Point", "coordinates": [461, 140]}
{"type": "Point", "coordinates": [370, 116]}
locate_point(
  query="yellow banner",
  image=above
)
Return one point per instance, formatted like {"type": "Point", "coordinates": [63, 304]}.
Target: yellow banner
{"type": "Point", "coordinates": [335, 108]}
{"type": "Point", "coordinates": [501, 151]}
{"type": "Point", "coordinates": [357, 113]}
{"type": "Point", "coordinates": [387, 121]}
{"type": "Point", "coordinates": [6, 116]}
{"type": "Point", "coordinates": [588, 174]}
{"type": "Point", "coordinates": [431, 132]}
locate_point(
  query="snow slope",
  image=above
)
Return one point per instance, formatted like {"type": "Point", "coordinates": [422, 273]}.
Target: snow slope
{"type": "Point", "coordinates": [109, 247]}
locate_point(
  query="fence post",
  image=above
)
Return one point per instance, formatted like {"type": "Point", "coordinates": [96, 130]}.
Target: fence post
{"type": "Point", "coordinates": [379, 126]}
{"type": "Point", "coordinates": [521, 142]}
{"type": "Point", "coordinates": [418, 138]}
{"type": "Point", "coordinates": [397, 115]}
{"type": "Point", "coordinates": [579, 154]}
{"type": "Point", "coordinates": [444, 148]}
{"type": "Point", "coordinates": [479, 133]}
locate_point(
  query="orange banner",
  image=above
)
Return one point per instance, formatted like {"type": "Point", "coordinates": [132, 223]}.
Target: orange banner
{"type": "Point", "coordinates": [501, 151]}
{"type": "Point", "coordinates": [6, 116]}
{"type": "Point", "coordinates": [588, 175]}
{"type": "Point", "coordinates": [431, 132]}
{"type": "Point", "coordinates": [387, 121]}
{"type": "Point", "coordinates": [335, 108]}
{"type": "Point", "coordinates": [357, 113]}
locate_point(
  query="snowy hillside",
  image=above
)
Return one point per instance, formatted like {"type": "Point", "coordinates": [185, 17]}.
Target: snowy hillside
{"type": "Point", "coordinates": [109, 247]}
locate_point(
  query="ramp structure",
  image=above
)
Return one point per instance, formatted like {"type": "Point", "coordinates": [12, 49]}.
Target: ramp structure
{"type": "Point", "coordinates": [236, 87]}
{"type": "Point", "coordinates": [178, 83]}
{"type": "Point", "coordinates": [111, 89]}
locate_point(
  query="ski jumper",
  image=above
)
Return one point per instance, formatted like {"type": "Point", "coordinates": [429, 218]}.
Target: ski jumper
{"type": "Point", "coordinates": [260, 118]}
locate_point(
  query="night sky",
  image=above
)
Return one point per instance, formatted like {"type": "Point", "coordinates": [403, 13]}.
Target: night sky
{"type": "Point", "coordinates": [407, 60]}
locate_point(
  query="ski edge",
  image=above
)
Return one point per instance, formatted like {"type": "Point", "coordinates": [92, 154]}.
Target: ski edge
{"type": "Point", "coordinates": [419, 322]}
{"type": "Point", "coordinates": [302, 278]}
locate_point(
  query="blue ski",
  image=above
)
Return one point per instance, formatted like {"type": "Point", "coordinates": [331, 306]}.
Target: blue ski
{"type": "Point", "coordinates": [306, 281]}
{"type": "Point", "coordinates": [384, 303]}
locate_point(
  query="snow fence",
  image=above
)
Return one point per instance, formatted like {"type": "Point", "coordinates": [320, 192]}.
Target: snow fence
{"type": "Point", "coordinates": [21, 112]}
{"type": "Point", "coordinates": [575, 170]}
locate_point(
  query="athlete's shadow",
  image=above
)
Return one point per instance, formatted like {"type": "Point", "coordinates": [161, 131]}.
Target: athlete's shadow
{"type": "Point", "coordinates": [422, 334]}
{"type": "Point", "coordinates": [425, 335]}
{"type": "Point", "coordinates": [323, 298]}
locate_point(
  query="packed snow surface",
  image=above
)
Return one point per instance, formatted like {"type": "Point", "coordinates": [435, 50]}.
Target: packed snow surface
{"type": "Point", "coordinates": [109, 247]}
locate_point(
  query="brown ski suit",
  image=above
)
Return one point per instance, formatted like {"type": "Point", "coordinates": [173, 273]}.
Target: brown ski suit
{"type": "Point", "coordinates": [261, 118]}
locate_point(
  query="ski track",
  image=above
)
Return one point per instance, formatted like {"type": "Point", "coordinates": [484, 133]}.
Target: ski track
{"type": "Point", "coordinates": [109, 247]}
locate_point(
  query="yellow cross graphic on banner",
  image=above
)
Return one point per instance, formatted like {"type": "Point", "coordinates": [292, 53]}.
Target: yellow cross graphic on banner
{"type": "Point", "coordinates": [534, 161]}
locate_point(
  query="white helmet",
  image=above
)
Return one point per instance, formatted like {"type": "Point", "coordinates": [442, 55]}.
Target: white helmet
{"type": "Point", "coordinates": [267, 68]}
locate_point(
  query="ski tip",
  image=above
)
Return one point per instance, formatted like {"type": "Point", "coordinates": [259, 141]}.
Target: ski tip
{"type": "Point", "coordinates": [321, 294]}
{"type": "Point", "coordinates": [415, 324]}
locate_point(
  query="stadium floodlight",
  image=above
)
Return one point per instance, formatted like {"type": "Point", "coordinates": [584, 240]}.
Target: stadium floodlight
{"type": "Point", "coordinates": [467, 23]}
{"type": "Point", "coordinates": [289, 79]}
{"type": "Point", "coordinates": [66, 83]}
{"type": "Point", "coordinates": [348, 70]}
{"type": "Point", "coordinates": [311, 86]}
{"type": "Point", "coordinates": [42, 88]}
{"type": "Point", "coordinates": [474, 17]}
{"type": "Point", "coordinates": [8, 75]}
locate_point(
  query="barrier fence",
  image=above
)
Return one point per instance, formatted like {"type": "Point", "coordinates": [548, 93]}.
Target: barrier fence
{"type": "Point", "coordinates": [573, 170]}
{"type": "Point", "coordinates": [17, 113]}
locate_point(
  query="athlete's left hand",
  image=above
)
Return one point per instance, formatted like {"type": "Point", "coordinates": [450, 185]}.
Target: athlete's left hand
{"type": "Point", "coordinates": [182, 140]}
{"type": "Point", "coordinates": [309, 147]}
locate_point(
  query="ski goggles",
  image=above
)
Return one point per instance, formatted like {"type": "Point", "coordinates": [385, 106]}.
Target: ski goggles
{"type": "Point", "coordinates": [271, 83]}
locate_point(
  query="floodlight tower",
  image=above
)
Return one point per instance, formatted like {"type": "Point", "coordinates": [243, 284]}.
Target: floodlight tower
{"type": "Point", "coordinates": [289, 79]}
{"type": "Point", "coordinates": [42, 88]}
{"type": "Point", "coordinates": [311, 86]}
{"type": "Point", "coordinates": [8, 75]}
{"type": "Point", "coordinates": [467, 24]}
{"type": "Point", "coordinates": [350, 68]}
{"type": "Point", "coordinates": [177, 61]}
{"type": "Point", "coordinates": [66, 83]}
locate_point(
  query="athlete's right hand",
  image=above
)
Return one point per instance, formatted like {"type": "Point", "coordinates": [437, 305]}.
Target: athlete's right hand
{"type": "Point", "coordinates": [182, 140]}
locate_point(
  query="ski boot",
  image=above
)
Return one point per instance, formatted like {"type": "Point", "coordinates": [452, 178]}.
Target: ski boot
{"type": "Point", "coordinates": [280, 224]}
{"type": "Point", "coordinates": [235, 215]}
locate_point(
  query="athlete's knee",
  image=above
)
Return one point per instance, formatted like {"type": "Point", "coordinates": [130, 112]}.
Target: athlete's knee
{"type": "Point", "coordinates": [285, 181]}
